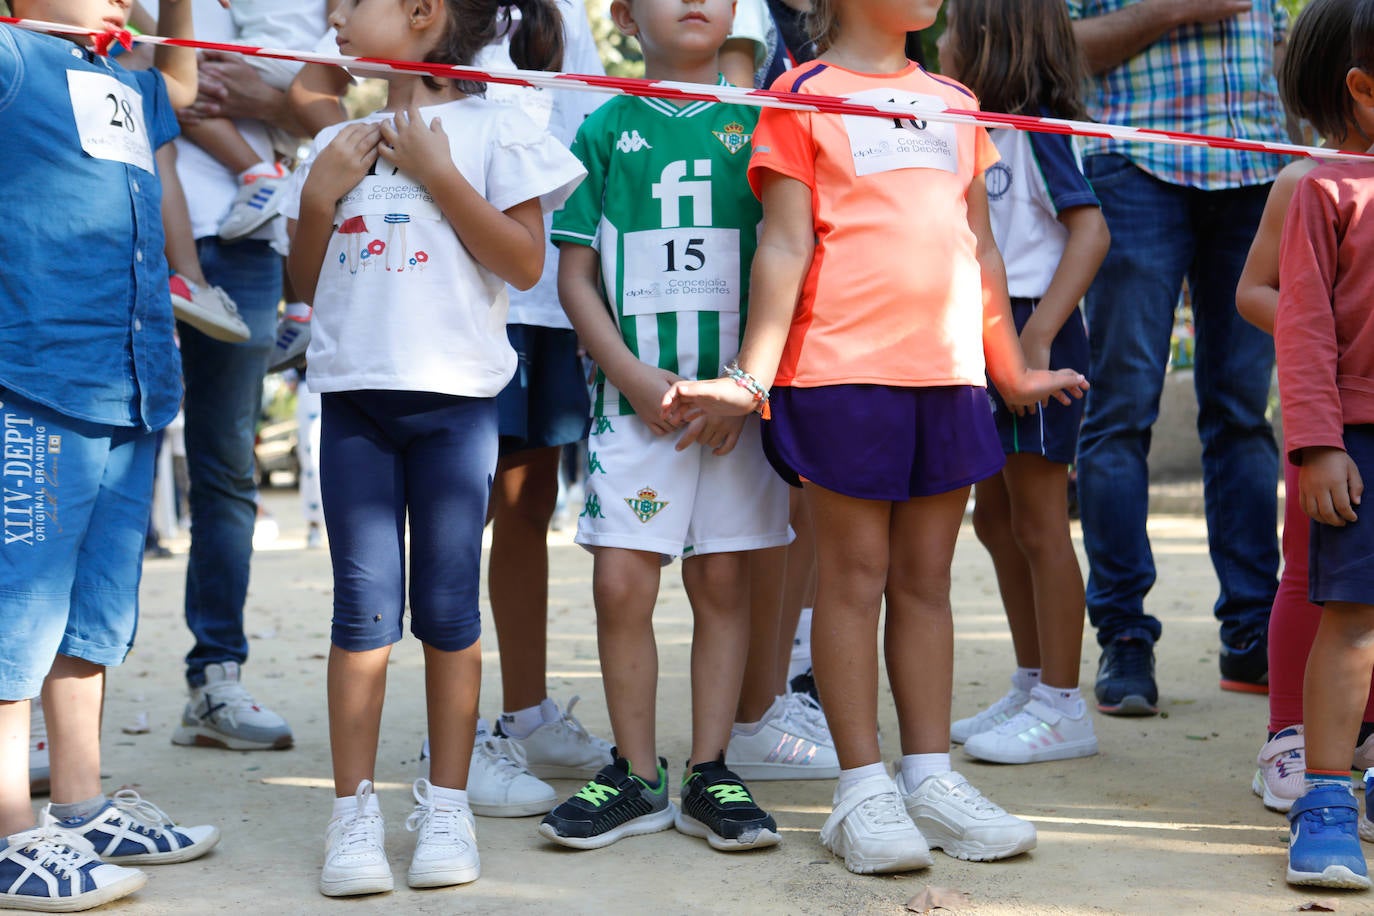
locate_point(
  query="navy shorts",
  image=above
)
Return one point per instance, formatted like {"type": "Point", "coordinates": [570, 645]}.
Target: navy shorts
{"type": "Point", "coordinates": [546, 404]}
{"type": "Point", "coordinates": [881, 442]}
{"type": "Point", "coordinates": [388, 457]}
{"type": "Point", "coordinates": [1341, 560]}
{"type": "Point", "coordinates": [1052, 431]}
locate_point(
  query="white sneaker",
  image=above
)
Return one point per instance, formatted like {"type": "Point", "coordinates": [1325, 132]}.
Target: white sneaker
{"type": "Point", "coordinates": [446, 848]}
{"type": "Point", "coordinates": [499, 782]}
{"type": "Point", "coordinates": [1364, 755]}
{"type": "Point", "coordinates": [561, 748]}
{"type": "Point", "coordinates": [954, 816]}
{"type": "Point", "coordinates": [208, 309]}
{"type": "Point", "coordinates": [258, 201]}
{"type": "Point", "coordinates": [1282, 775]}
{"type": "Point", "coordinates": [355, 850]}
{"type": "Point", "coordinates": [52, 871]}
{"type": "Point", "coordinates": [39, 769]}
{"type": "Point", "coordinates": [793, 742]}
{"type": "Point", "coordinates": [1039, 732]}
{"type": "Point", "coordinates": [223, 714]}
{"type": "Point", "coordinates": [130, 830]}
{"type": "Point", "coordinates": [871, 829]}
{"type": "Point", "coordinates": [1009, 705]}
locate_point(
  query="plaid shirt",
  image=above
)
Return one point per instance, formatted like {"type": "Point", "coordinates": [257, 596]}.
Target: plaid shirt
{"type": "Point", "coordinates": [1215, 79]}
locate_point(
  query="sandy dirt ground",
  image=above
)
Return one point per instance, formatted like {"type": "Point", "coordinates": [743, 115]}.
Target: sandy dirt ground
{"type": "Point", "coordinates": [1162, 821]}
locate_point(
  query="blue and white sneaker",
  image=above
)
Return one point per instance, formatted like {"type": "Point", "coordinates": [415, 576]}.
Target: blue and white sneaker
{"type": "Point", "coordinates": [50, 870]}
{"type": "Point", "coordinates": [131, 830]}
{"type": "Point", "coordinates": [1324, 846]}
{"type": "Point", "coordinates": [258, 201]}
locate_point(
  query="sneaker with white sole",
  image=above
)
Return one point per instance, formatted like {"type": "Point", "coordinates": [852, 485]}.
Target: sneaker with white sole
{"type": "Point", "coordinates": [1364, 755]}
{"type": "Point", "coordinates": [792, 742]}
{"type": "Point", "coordinates": [223, 714]}
{"type": "Point", "coordinates": [293, 339]}
{"type": "Point", "coordinates": [446, 848]}
{"type": "Point", "coordinates": [561, 748]}
{"type": "Point", "coordinates": [51, 871]}
{"type": "Point", "coordinates": [40, 771]}
{"type": "Point", "coordinates": [871, 830]}
{"type": "Point", "coordinates": [208, 309]}
{"type": "Point", "coordinates": [954, 816]}
{"type": "Point", "coordinates": [617, 803]}
{"type": "Point", "coordinates": [355, 860]}
{"type": "Point", "coordinates": [1282, 775]}
{"type": "Point", "coordinates": [130, 830]}
{"type": "Point", "coordinates": [1039, 732]}
{"type": "Point", "coordinates": [258, 201]}
{"type": "Point", "coordinates": [499, 782]}
{"type": "Point", "coordinates": [1009, 705]}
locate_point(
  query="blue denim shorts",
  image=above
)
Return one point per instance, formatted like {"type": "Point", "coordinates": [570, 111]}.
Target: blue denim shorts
{"type": "Point", "coordinates": [1052, 431]}
{"type": "Point", "coordinates": [546, 404]}
{"type": "Point", "coordinates": [1341, 560]}
{"type": "Point", "coordinates": [75, 514]}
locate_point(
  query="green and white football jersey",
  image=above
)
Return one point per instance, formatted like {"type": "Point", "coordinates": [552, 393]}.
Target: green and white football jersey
{"type": "Point", "coordinates": [667, 205]}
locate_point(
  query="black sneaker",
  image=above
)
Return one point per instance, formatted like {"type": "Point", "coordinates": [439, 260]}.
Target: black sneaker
{"type": "Point", "coordinates": [615, 804]}
{"type": "Point", "coordinates": [717, 807]}
{"type": "Point", "coordinates": [805, 683]}
{"type": "Point", "coordinates": [1126, 678]}
{"type": "Point", "coordinates": [1245, 668]}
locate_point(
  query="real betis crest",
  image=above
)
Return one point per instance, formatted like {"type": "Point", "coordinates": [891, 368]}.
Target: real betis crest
{"type": "Point", "coordinates": [645, 504]}
{"type": "Point", "coordinates": [733, 137]}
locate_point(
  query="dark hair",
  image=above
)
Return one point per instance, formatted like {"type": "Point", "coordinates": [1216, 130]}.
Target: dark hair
{"type": "Point", "coordinates": [1018, 56]}
{"type": "Point", "coordinates": [823, 23]}
{"type": "Point", "coordinates": [536, 42]}
{"type": "Point", "coordinates": [1312, 75]}
{"type": "Point", "coordinates": [1362, 36]}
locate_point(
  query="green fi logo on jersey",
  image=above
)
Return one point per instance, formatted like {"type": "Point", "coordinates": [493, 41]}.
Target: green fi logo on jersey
{"type": "Point", "coordinates": [673, 185]}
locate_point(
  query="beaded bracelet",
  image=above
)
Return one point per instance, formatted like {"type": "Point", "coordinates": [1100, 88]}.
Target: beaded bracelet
{"type": "Point", "coordinates": [732, 371]}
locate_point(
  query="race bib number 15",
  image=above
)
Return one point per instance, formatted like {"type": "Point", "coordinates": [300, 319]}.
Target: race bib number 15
{"type": "Point", "coordinates": [109, 119]}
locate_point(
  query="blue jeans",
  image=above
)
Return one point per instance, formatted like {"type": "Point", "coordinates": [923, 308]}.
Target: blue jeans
{"type": "Point", "coordinates": [1162, 233]}
{"type": "Point", "coordinates": [223, 403]}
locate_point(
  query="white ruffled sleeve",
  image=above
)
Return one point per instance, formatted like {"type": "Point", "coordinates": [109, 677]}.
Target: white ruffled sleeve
{"type": "Point", "coordinates": [525, 162]}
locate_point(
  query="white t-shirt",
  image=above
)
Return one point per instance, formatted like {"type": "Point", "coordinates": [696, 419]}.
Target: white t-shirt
{"type": "Point", "coordinates": [400, 303]}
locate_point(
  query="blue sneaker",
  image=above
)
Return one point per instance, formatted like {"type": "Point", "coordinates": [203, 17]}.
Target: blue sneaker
{"type": "Point", "coordinates": [47, 870]}
{"type": "Point", "coordinates": [1126, 678]}
{"type": "Point", "coordinates": [130, 830]}
{"type": "Point", "coordinates": [1325, 846]}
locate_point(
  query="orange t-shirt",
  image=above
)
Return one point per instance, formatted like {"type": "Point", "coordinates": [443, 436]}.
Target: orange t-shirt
{"type": "Point", "coordinates": [894, 292]}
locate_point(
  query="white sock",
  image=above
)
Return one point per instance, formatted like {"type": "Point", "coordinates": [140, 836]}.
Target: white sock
{"type": "Point", "coordinates": [1067, 700]}
{"type": "Point", "coordinates": [297, 310]}
{"type": "Point", "coordinates": [343, 807]}
{"type": "Point", "coordinates": [262, 168]}
{"type": "Point", "coordinates": [448, 799]}
{"type": "Point", "coordinates": [1025, 679]}
{"type": "Point", "coordinates": [917, 768]}
{"type": "Point", "coordinates": [850, 778]}
{"type": "Point", "coordinates": [803, 637]}
{"type": "Point", "coordinates": [523, 722]}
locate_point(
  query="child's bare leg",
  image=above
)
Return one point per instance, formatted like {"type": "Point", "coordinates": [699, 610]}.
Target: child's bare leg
{"type": "Point", "coordinates": [992, 522]}
{"type": "Point", "coordinates": [799, 583]}
{"type": "Point", "coordinates": [767, 631]}
{"type": "Point", "coordinates": [356, 684]}
{"type": "Point", "coordinates": [1040, 525]}
{"type": "Point", "coordinates": [72, 696]}
{"type": "Point", "coordinates": [717, 585]}
{"type": "Point", "coordinates": [625, 589]}
{"type": "Point", "coordinates": [222, 140]}
{"type": "Point", "coordinates": [919, 637]}
{"type": "Point", "coordinates": [1337, 683]}
{"type": "Point", "coordinates": [16, 812]}
{"type": "Point", "coordinates": [851, 573]}
{"type": "Point", "coordinates": [180, 244]}
{"type": "Point", "coordinates": [453, 681]}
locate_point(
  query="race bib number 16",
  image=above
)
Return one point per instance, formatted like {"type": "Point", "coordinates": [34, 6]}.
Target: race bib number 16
{"type": "Point", "coordinates": [886, 144]}
{"type": "Point", "coordinates": [109, 119]}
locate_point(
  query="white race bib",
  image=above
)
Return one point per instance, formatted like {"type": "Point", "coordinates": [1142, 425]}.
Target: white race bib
{"type": "Point", "coordinates": [389, 194]}
{"type": "Point", "coordinates": [109, 119]}
{"type": "Point", "coordinates": [887, 144]}
{"type": "Point", "coordinates": [687, 269]}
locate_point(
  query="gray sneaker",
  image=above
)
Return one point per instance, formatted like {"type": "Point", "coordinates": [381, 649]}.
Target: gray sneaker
{"type": "Point", "coordinates": [223, 714]}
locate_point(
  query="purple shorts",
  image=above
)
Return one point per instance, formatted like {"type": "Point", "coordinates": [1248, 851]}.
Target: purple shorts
{"type": "Point", "coordinates": [881, 442]}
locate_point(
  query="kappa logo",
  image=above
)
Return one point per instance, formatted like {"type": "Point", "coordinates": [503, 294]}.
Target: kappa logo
{"type": "Point", "coordinates": [631, 142]}
{"type": "Point", "coordinates": [733, 137]}
{"type": "Point", "coordinates": [645, 504]}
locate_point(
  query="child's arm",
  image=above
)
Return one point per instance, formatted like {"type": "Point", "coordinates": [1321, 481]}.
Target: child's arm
{"type": "Point", "coordinates": [509, 243]}
{"type": "Point", "coordinates": [579, 289]}
{"type": "Point", "coordinates": [1257, 293]}
{"type": "Point", "coordinates": [178, 65]}
{"type": "Point", "coordinates": [336, 170]}
{"type": "Point", "coordinates": [1083, 254]}
{"type": "Point", "coordinates": [316, 96]}
{"type": "Point", "coordinates": [786, 244]}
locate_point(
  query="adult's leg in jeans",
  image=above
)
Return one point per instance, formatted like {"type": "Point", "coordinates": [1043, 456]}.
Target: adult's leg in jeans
{"type": "Point", "coordinates": [1240, 465]}
{"type": "Point", "coordinates": [223, 401]}
{"type": "Point", "coordinates": [1130, 314]}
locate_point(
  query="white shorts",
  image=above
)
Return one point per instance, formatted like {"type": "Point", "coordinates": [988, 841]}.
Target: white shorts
{"type": "Point", "coordinates": [643, 494]}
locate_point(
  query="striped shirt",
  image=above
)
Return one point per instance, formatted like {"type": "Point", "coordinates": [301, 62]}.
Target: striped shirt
{"type": "Point", "coordinates": [1215, 79]}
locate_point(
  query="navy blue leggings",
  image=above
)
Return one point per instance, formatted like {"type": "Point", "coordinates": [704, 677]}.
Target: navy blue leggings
{"type": "Point", "coordinates": [386, 453]}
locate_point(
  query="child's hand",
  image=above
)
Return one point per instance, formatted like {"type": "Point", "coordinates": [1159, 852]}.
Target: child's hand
{"type": "Point", "coordinates": [418, 150]}
{"type": "Point", "coordinates": [1037, 386]}
{"type": "Point", "coordinates": [646, 389]}
{"type": "Point", "coordinates": [718, 397]}
{"type": "Point", "coordinates": [342, 164]}
{"type": "Point", "coordinates": [1329, 486]}
{"type": "Point", "coordinates": [720, 434]}
{"type": "Point", "coordinates": [1036, 349]}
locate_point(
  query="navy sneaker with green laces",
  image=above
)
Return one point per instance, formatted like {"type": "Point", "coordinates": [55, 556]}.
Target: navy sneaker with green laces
{"type": "Point", "coordinates": [615, 804]}
{"type": "Point", "coordinates": [717, 807]}
{"type": "Point", "coordinates": [1324, 845]}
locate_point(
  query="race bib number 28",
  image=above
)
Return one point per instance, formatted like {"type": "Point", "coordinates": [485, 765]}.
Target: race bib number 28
{"type": "Point", "coordinates": [109, 119]}
{"type": "Point", "coordinates": [886, 144]}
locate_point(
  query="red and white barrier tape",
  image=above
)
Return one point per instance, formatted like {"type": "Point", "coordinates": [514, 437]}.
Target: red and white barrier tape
{"type": "Point", "coordinates": [760, 98]}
